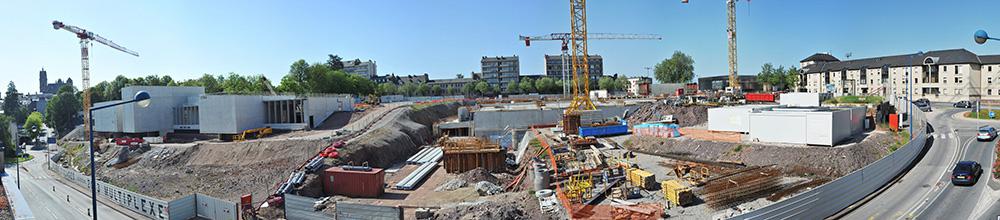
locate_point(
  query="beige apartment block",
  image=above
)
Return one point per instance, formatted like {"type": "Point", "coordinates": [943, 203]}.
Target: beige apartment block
{"type": "Point", "coordinates": [940, 76]}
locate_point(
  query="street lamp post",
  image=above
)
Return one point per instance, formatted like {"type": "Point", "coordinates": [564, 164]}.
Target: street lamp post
{"type": "Point", "coordinates": [980, 36]}
{"type": "Point", "coordinates": [142, 99]}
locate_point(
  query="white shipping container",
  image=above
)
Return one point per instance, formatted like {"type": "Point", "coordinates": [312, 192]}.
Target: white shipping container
{"type": "Point", "coordinates": [803, 99]}
{"type": "Point", "coordinates": [735, 118]}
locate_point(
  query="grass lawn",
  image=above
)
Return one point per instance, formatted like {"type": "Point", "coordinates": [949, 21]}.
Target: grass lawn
{"type": "Point", "coordinates": [24, 158]}
{"type": "Point", "coordinates": [983, 114]}
{"type": "Point", "coordinates": [856, 99]}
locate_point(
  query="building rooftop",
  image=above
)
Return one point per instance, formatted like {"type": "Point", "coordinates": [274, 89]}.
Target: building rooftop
{"type": "Point", "coordinates": [950, 56]}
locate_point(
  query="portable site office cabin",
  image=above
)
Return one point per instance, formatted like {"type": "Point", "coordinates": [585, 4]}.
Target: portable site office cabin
{"type": "Point", "coordinates": [812, 126]}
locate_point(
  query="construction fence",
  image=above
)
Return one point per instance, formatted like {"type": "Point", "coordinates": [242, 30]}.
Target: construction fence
{"type": "Point", "coordinates": [832, 197]}
{"type": "Point", "coordinates": [301, 208]}
{"type": "Point", "coordinates": [195, 205]}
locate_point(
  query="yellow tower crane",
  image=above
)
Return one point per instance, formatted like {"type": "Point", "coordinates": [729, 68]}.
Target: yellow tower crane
{"type": "Point", "coordinates": [85, 38]}
{"type": "Point", "coordinates": [734, 85]}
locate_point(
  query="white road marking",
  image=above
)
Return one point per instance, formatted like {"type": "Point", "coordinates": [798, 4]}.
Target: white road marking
{"type": "Point", "coordinates": [955, 159]}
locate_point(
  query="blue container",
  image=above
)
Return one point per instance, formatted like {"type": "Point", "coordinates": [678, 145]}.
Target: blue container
{"type": "Point", "coordinates": [603, 131]}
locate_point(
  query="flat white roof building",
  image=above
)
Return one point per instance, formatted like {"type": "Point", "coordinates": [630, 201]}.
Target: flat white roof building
{"type": "Point", "coordinates": [188, 108]}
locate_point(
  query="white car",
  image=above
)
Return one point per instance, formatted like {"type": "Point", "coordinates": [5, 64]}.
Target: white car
{"type": "Point", "coordinates": [986, 133]}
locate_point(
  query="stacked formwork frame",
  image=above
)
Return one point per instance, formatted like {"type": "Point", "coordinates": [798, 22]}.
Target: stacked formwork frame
{"type": "Point", "coordinates": [467, 154]}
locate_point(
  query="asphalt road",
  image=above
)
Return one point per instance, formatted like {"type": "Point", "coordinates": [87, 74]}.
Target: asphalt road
{"type": "Point", "coordinates": [926, 192]}
{"type": "Point", "coordinates": [47, 197]}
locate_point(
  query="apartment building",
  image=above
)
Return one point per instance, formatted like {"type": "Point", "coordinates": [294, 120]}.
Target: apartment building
{"type": "Point", "coordinates": [366, 69]}
{"type": "Point", "coordinates": [501, 71]}
{"type": "Point", "coordinates": [554, 66]}
{"type": "Point", "coordinates": [942, 75]}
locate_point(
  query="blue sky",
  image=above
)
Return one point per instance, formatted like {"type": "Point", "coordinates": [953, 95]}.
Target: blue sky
{"type": "Point", "coordinates": [185, 39]}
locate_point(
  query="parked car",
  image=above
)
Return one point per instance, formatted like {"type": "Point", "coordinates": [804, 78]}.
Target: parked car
{"type": "Point", "coordinates": [964, 104]}
{"type": "Point", "coordinates": [923, 100]}
{"type": "Point", "coordinates": [923, 106]}
{"type": "Point", "coordinates": [966, 173]}
{"type": "Point", "coordinates": [986, 133]}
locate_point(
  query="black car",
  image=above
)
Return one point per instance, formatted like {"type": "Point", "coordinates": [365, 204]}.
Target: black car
{"type": "Point", "coordinates": [923, 100]}
{"type": "Point", "coordinates": [964, 104]}
{"type": "Point", "coordinates": [966, 173]}
{"type": "Point", "coordinates": [923, 106]}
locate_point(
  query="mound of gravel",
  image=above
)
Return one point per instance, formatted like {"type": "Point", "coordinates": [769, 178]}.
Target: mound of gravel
{"type": "Point", "coordinates": [514, 205]}
{"type": "Point", "coordinates": [654, 111]}
{"type": "Point", "coordinates": [472, 176]}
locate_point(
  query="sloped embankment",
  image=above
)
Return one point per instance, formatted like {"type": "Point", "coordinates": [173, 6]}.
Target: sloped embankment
{"type": "Point", "coordinates": [398, 136]}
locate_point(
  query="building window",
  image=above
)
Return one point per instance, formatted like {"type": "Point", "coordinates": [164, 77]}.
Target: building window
{"type": "Point", "coordinates": [989, 80]}
{"type": "Point", "coordinates": [957, 80]}
{"type": "Point", "coordinates": [945, 68]}
{"type": "Point", "coordinates": [989, 68]}
{"type": "Point", "coordinates": [989, 92]}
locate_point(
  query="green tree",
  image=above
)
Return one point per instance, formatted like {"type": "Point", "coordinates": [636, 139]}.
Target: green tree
{"type": "Point", "coordinates": [621, 83]}
{"type": "Point", "coordinates": [512, 88]}
{"type": "Point", "coordinates": [12, 102]}
{"type": "Point", "coordinates": [386, 89]}
{"type": "Point", "coordinates": [6, 141]}
{"type": "Point", "coordinates": [483, 88]}
{"type": "Point", "coordinates": [334, 62]}
{"type": "Point", "coordinates": [408, 89]}
{"type": "Point", "coordinates": [767, 75]}
{"type": "Point", "coordinates": [423, 89]}
{"type": "Point", "coordinates": [435, 90]}
{"type": "Point", "coordinates": [61, 111]}
{"type": "Point", "coordinates": [527, 85]}
{"type": "Point", "coordinates": [792, 77]}
{"type": "Point", "coordinates": [547, 85]}
{"type": "Point", "coordinates": [33, 125]}
{"type": "Point", "coordinates": [451, 90]}
{"type": "Point", "coordinates": [606, 83]}
{"type": "Point", "coordinates": [290, 85]}
{"type": "Point", "coordinates": [469, 89]}
{"type": "Point", "coordinates": [678, 69]}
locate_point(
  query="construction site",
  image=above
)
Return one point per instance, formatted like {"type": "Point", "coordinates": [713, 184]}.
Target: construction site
{"type": "Point", "coordinates": [691, 154]}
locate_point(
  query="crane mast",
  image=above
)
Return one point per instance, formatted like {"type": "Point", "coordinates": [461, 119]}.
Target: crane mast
{"type": "Point", "coordinates": [578, 58]}
{"type": "Point", "coordinates": [85, 38]}
{"type": "Point", "coordinates": [731, 32]}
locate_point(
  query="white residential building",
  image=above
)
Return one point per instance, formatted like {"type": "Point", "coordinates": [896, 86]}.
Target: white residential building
{"type": "Point", "coordinates": [940, 76]}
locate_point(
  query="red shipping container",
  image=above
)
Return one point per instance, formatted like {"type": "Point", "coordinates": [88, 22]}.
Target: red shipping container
{"type": "Point", "coordinates": [893, 122]}
{"type": "Point", "coordinates": [760, 97]}
{"type": "Point", "coordinates": [353, 183]}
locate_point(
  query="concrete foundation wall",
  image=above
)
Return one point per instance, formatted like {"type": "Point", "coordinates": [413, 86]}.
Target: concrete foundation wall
{"type": "Point", "coordinates": [157, 117]}
{"type": "Point", "coordinates": [230, 114]}
{"type": "Point", "coordinates": [492, 122]}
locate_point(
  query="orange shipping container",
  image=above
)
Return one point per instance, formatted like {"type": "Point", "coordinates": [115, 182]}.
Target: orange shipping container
{"type": "Point", "coordinates": [353, 183]}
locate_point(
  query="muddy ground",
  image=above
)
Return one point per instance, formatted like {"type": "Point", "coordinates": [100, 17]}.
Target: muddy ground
{"type": "Point", "coordinates": [654, 111]}
{"type": "Point", "coordinates": [800, 160]}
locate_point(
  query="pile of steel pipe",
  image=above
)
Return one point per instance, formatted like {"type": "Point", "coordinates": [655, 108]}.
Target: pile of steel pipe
{"type": "Point", "coordinates": [314, 164]}
{"type": "Point", "coordinates": [410, 181]}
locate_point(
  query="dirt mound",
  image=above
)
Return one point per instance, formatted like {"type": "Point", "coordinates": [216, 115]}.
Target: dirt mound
{"type": "Point", "coordinates": [398, 136]}
{"type": "Point", "coordinates": [514, 205]}
{"type": "Point", "coordinates": [654, 111]}
{"type": "Point", "coordinates": [224, 170]}
{"type": "Point", "coordinates": [73, 135]}
{"type": "Point", "coordinates": [824, 161]}
{"type": "Point", "coordinates": [468, 177]}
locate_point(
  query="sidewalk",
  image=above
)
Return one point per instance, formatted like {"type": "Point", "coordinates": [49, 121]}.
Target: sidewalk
{"type": "Point", "coordinates": [16, 199]}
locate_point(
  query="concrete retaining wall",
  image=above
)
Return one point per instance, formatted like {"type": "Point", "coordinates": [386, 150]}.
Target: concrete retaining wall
{"type": "Point", "coordinates": [493, 122]}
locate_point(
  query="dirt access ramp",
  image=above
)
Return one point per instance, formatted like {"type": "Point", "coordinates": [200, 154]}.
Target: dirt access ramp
{"type": "Point", "coordinates": [830, 162]}
{"type": "Point", "coordinates": [224, 170]}
{"type": "Point", "coordinates": [397, 137]}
